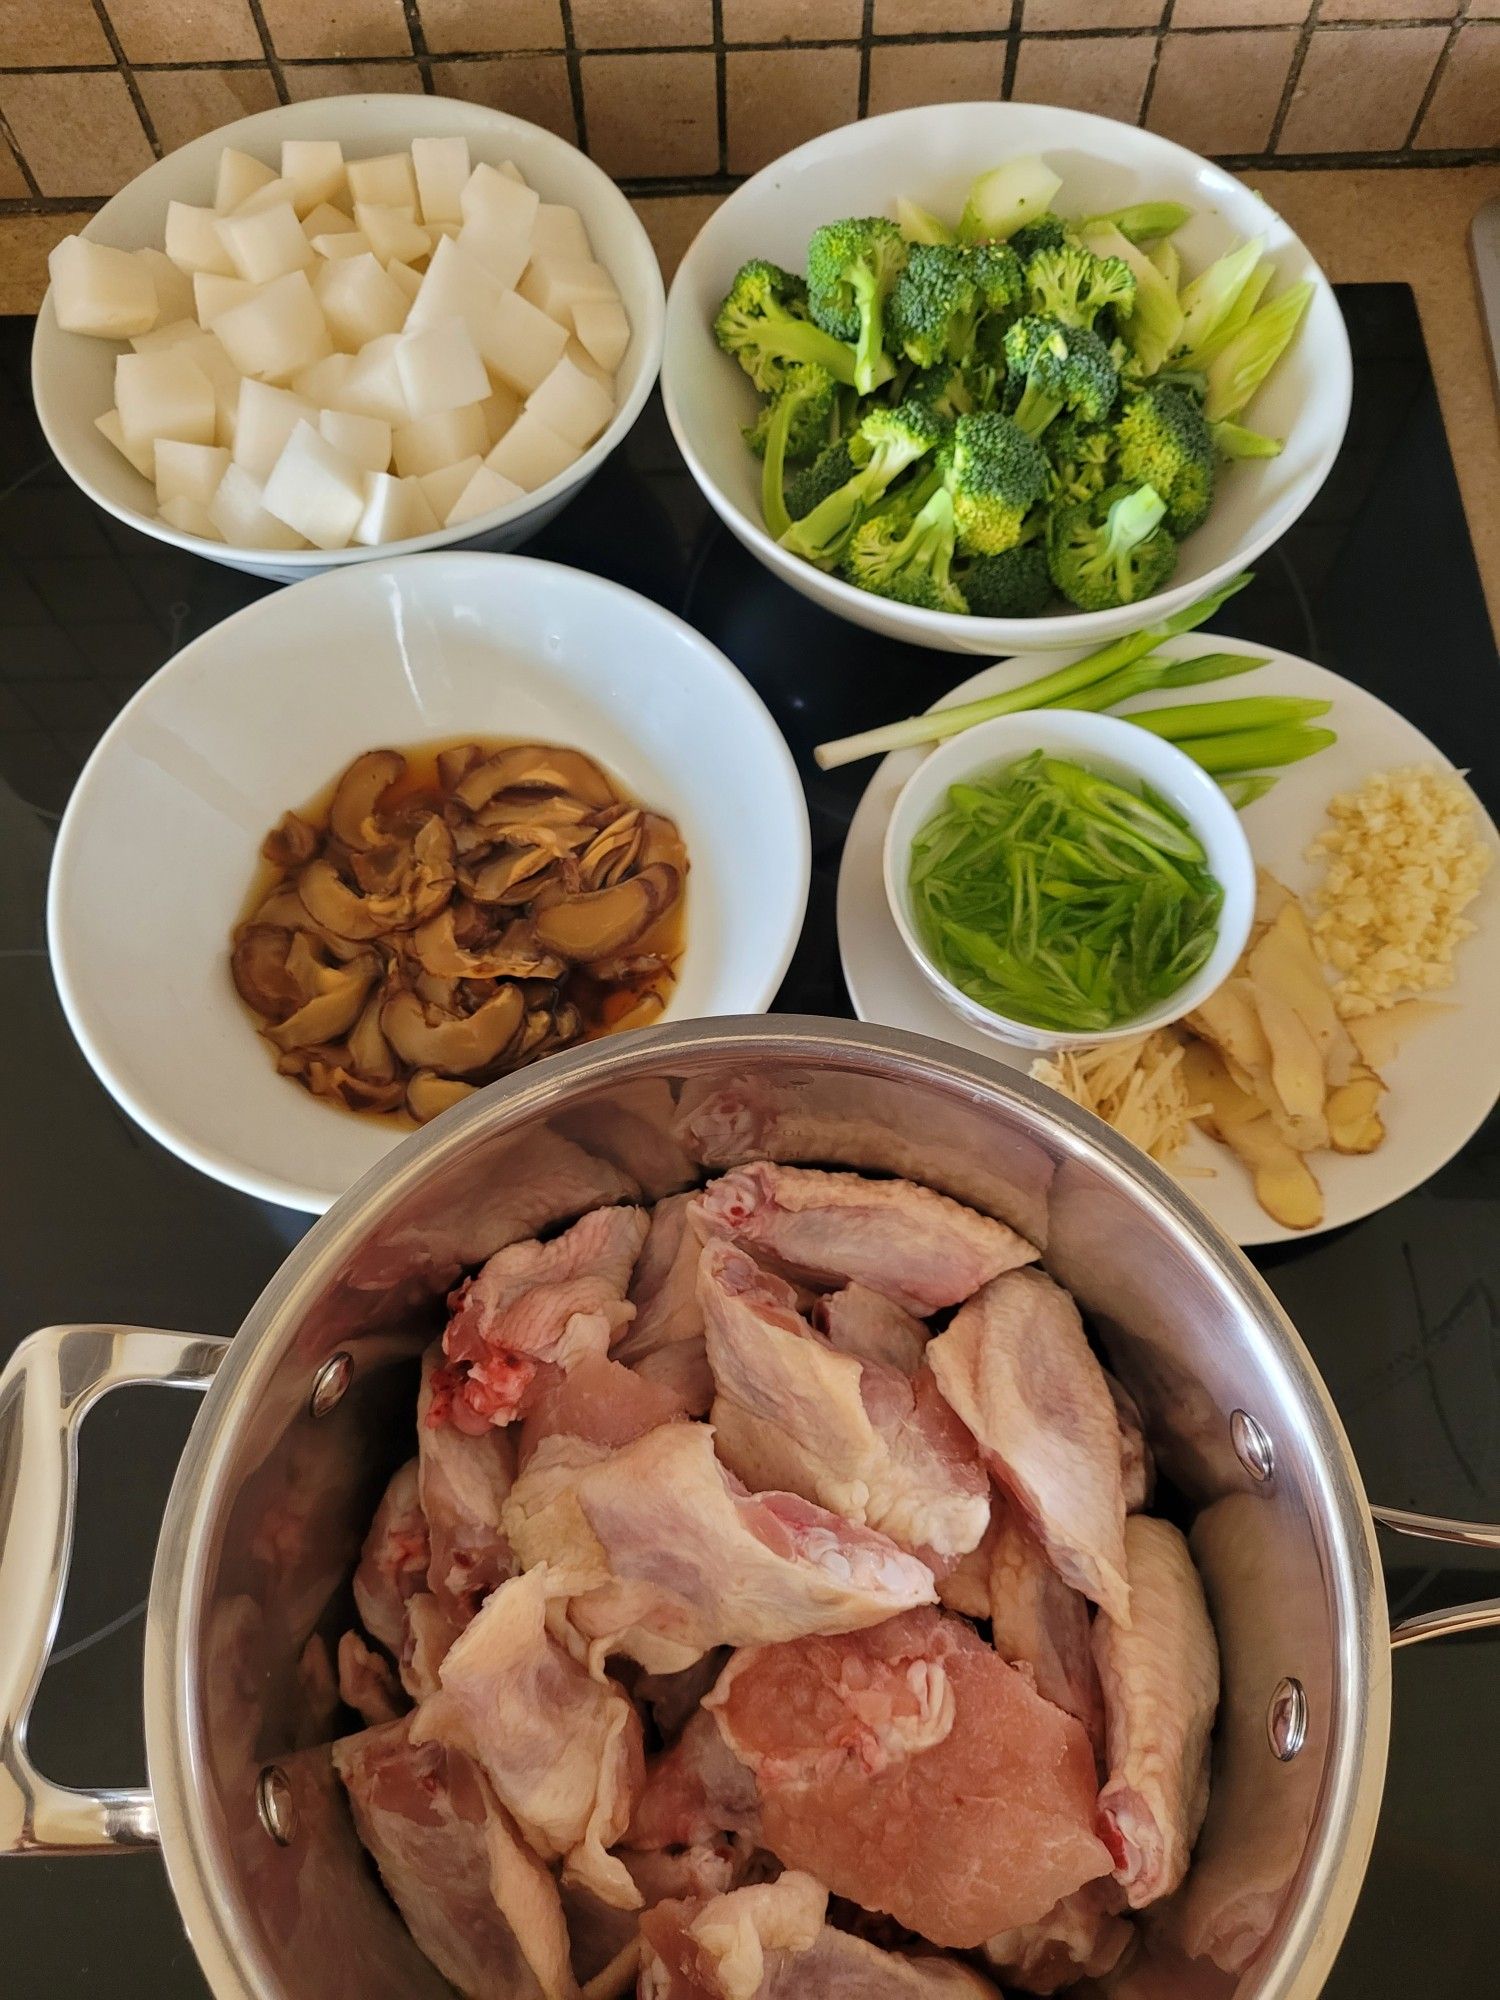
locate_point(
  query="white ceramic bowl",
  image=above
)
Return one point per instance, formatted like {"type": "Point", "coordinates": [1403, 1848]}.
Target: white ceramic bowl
{"type": "Point", "coordinates": [1118, 750]}
{"type": "Point", "coordinates": [72, 375]}
{"type": "Point", "coordinates": [931, 154]}
{"type": "Point", "coordinates": [158, 846]}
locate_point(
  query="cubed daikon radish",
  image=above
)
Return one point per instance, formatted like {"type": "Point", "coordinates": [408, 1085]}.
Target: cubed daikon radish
{"type": "Point", "coordinates": [367, 440]}
{"type": "Point", "coordinates": [454, 287]}
{"type": "Point", "coordinates": [360, 301]}
{"type": "Point", "coordinates": [394, 510]}
{"type": "Point", "coordinates": [213, 295]}
{"type": "Point", "coordinates": [486, 491]}
{"type": "Point", "coordinates": [272, 195]}
{"type": "Point", "coordinates": [166, 336]}
{"type": "Point", "coordinates": [267, 244]}
{"type": "Point", "coordinates": [316, 489]}
{"type": "Point", "coordinates": [504, 203]}
{"type": "Point", "coordinates": [512, 172]}
{"type": "Point", "coordinates": [559, 233]}
{"type": "Point", "coordinates": [342, 245]}
{"type": "Point", "coordinates": [192, 240]}
{"type": "Point", "coordinates": [387, 179]}
{"type": "Point", "coordinates": [190, 471]}
{"type": "Point", "coordinates": [236, 510]}
{"type": "Point", "coordinates": [277, 332]}
{"type": "Point", "coordinates": [582, 359]}
{"type": "Point", "coordinates": [392, 231]}
{"type": "Point", "coordinates": [99, 290]}
{"type": "Point", "coordinates": [504, 253]}
{"type": "Point", "coordinates": [321, 382]}
{"type": "Point", "coordinates": [224, 379]}
{"type": "Point", "coordinates": [430, 442]}
{"type": "Point", "coordinates": [165, 394]}
{"type": "Point", "coordinates": [188, 517]}
{"type": "Point", "coordinates": [520, 344]}
{"type": "Point", "coordinates": [403, 275]}
{"type": "Point", "coordinates": [444, 486]}
{"type": "Point", "coordinates": [266, 419]}
{"type": "Point", "coordinates": [531, 453]}
{"type": "Point", "coordinates": [437, 229]}
{"type": "Point", "coordinates": [326, 220]}
{"type": "Point", "coordinates": [174, 288]}
{"type": "Point", "coordinates": [441, 167]}
{"type": "Point", "coordinates": [440, 368]}
{"type": "Point", "coordinates": [240, 175]}
{"type": "Point", "coordinates": [603, 330]}
{"type": "Point", "coordinates": [556, 288]}
{"type": "Point", "coordinates": [501, 408]}
{"type": "Point", "coordinates": [572, 404]}
{"type": "Point", "coordinates": [315, 168]}
{"type": "Point", "coordinates": [140, 451]}
{"type": "Point", "coordinates": [372, 387]}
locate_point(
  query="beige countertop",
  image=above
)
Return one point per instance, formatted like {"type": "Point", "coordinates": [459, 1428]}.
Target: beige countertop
{"type": "Point", "coordinates": [1371, 225]}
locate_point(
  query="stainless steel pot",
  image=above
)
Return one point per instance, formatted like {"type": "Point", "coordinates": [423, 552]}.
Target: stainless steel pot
{"type": "Point", "coordinates": [309, 1409]}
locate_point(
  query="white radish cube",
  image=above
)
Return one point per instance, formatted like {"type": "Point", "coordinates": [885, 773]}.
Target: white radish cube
{"type": "Point", "coordinates": [367, 440]}
{"type": "Point", "coordinates": [360, 301]}
{"type": "Point", "coordinates": [277, 332]}
{"type": "Point", "coordinates": [174, 289]}
{"type": "Point", "coordinates": [240, 176]}
{"type": "Point", "coordinates": [441, 167]}
{"type": "Point", "coordinates": [224, 378]}
{"type": "Point", "coordinates": [315, 168]}
{"type": "Point", "coordinates": [372, 387]}
{"type": "Point", "coordinates": [430, 442]}
{"type": "Point", "coordinates": [213, 295]}
{"type": "Point", "coordinates": [166, 336]}
{"type": "Point", "coordinates": [603, 330]}
{"type": "Point", "coordinates": [556, 288]}
{"type": "Point", "coordinates": [316, 489]}
{"type": "Point", "coordinates": [504, 203]}
{"type": "Point", "coordinates": [236, 510]}
{"type": "Point", "coordinates": [559, 234]}
{"type": "Point", "coordinates": [572, 404]}
{"type": "Point", "coordinates": [455, 287]}
{"type": "Point", "coordinates": [504, 253]}
{"type": "Point", "coordinates": [387, 180]}
{"type": "Point", "coordinates": [444, 486]}
{"type": "Point", "coordinates": [392, 231]}
{"type": "Point", "coordinates": [520, 345]}
{"type": "Point", "coordinates": [189, 517]}
{"type": "Point", "coordinates": [440, 368]}
{"type": "Point", "coordinates": [437, 229]}
{"type": "Point", "coordinates": [512, 172]}
{"type": "Point", "coordinates": [267, 244]}
{"type": "Point", "coordinates": [165, 394]}
{"type": "Point", "coordinates": [531, 453]}
{"type": "Point", "coordinates": [403, 275]}
{"type": "Point", "coordinates": [322, 382]}
{"type": "Point", "coordinates": [325, 219]}
{"type": "Point", "coordinates": [97, 290]}
{"type": "Point", "coordinates": [140, 451]}
{"type": "Point", "coordinates": [486, 491]}
{"type": "Point", "coordinates": [192, 240]}
{"type": "Point", "coordinates": [342, 244]}
{"type": "Point", "coordinates": [394, 511]}
{"type": "Point", "coordinates": [188, 471]}
{"type": "Point", "coordinates": [272, 195]}
{"type": "Point", "coordinates": [501, 408]}
{"type": "Point", "coordinates": [585, 362]}
{"type": "Point", "coordinates": [266, 419]}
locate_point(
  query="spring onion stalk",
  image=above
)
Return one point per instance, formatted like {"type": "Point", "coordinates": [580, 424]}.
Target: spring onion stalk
{"type": "Point", "coordinates": [1142, 223]}
{"type": "Point", "coordinates": [1153, 673]}
{"type": "Point", "coordinates": [1242, 792]}
{"type": "Point", "coordinates": [939, 724]}
{"type": "Point", "coordinates": [1193, 719]}
{"type": "Point", "coordinates": [1254, 749]}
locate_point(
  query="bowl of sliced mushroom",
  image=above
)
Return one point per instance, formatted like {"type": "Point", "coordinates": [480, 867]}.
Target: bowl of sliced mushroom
{"type": "Point", "coordinates": [374, 844]}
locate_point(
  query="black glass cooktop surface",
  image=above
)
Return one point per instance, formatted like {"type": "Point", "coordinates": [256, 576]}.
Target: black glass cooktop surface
{"type": "Point", "coordinates": [1378, 582]}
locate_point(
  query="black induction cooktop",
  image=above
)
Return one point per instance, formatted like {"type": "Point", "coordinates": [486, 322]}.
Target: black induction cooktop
{"type": "Point", "coordinates": [1401, 1311]}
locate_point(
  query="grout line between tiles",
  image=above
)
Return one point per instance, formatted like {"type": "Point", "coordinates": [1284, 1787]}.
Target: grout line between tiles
{"type": "Point", "coordinates": [1437, 76]}
{"type": "Point", "coordinates": [26, 174]}
{"type": "Point", "coordinates": [417, 35]}
{"type": "Point", "coordinates": [1012, 50]}
{"type": "Point", "coordinates": [866, 39]}
{"type": "Point", "coordinates": [575, 73]}
{"type": "Point", "coordinates": [1162, 26]}
{"type": "Point", "coordinates": [127, 77]}
{"type": "Point", "coordinates": [1293, 75]}
{"type": "Point", "coordinates": [272, 60]}
{"type": "Point", "coordinates": [721, 82]}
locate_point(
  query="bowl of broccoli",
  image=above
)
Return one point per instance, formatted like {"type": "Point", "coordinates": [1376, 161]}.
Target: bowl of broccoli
{"type": "Point", "coordinates": [994, 376]}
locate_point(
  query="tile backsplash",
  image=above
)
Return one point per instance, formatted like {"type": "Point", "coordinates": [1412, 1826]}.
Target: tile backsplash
{"type": "Point", "coordinates": [685, 96]}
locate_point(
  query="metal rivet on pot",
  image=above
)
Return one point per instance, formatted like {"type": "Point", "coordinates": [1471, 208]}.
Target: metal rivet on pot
{"type": "Point", "coordinates": [1286, 1719]}
{"type": "Point", "coordinates": [1252, 1446]}
{"type": "Point", "coordinates": [276, 1805]}
{"type": "Point", "coordinates": [330, 1382]}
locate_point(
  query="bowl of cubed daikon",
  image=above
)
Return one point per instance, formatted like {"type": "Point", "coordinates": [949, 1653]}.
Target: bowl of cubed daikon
{"type": "Point", "coordinates": [346, 326]}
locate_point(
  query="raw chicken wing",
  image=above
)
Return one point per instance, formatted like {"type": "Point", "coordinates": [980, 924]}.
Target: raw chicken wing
{"type": "Point", "coordinates": [599, 1401]}
{"type": "Point", "coordinates": [859, 1321]}
{"type": "Point", "coordinates": [1137, 1466]}
{"type": "Point", "coordinates": [462, 1482]}
{"type": "Point", "coordinates": [367, 1682]}
{"type": "Point", "coordinates": [664, 1342]}
{"type": "Point", "coordinates": [393, 1562]}
{"type": "Point", "coordinates": [1041, 1622]}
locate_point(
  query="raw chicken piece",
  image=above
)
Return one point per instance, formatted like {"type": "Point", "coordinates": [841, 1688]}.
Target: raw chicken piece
{"type": "Point", "coordinates": [695, 1792]}
{"type": "Point", "coordinates": [599, 1934]}
{"type": "Point", "coordinates": [1161, 1690]}
{"type": "Point", "coordinates": [632, 1128]}
{"type": "Point", "coordinates": [1017, 1367]}
{"type": "Point", "coordinates": [476, 1899]}
{"type": "Point", "coordinates": [562, 1751]}
{"type": "Point", "coordinates": [462, 1482]}
{"type": "Point", "coordinates": [664, 1342]}
{"type": "Point", "coordinates": [1137, 1466]}
{"type": "Point", "coordinates": [393, 1561]}
{"type": "Point", "coordinates": [1083, 1938]}
{"type": "Point", "coordinates": [599, 1401]}
{"type": "Point", "coordinates": [534, 1306]}
{"type": "Point", "coordinates": [663, 1555]}
{"type": "Point", "coordinates": [431, 1628]}
{"type": "Point", "coordinates": [907, 1243]}
{"type": "Point", "coordinates": [1042, 1623]}
{"type": "Point", "coordinates": [859, 1321]}
{"type": "Point", "coordinates": [917, 1773]}
{"type": "Point", "coordinates": [966, 1587]}
{"type": "Point", "coordinates": [367, 1682]}
{"type": "Point", "coordinates": [858, 1437]}
{"type": "Point", "coordinates": [673, 1698]}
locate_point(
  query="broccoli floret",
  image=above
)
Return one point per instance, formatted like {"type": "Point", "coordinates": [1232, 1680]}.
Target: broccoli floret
{"type": "Point", "coordinates": [851, 267]}
{"type": "Point", "coordinates": [1074, 286]}
{"type": "Point", "coordinates": [815, 482]}
{"type": "Point", "coordinates": [1162, 441]}
{"type": "Point", "coordinates": [1112, 549]}
{"type": "Point", "coordinates": [999, 279]}
{"type": "Point", "coordinates": [763, 323]}
{"type": "Point", "coordinates": [908, 559]}
{"type": "Point", "coordinates": [997, 476]}
{"type": "Point", "coordinates": [886, 443]}
{"type": "Point", "coordinates": [803, 409]}
{"type": "Point", "coordinates": [945, 390]}
{"type": "Point", "coordinates": [1051, 367]}
{"type": "Point", "coordinates": [1014, 584]}
{"type": "Point", "coordinates": [931, 313]}
{"type": "Point", "coordinates": [1048, 232]}
{"type": "Point", "coordinates": [1080, 453]}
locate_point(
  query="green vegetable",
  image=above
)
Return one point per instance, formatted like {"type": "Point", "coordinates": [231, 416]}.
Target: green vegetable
{"type": "Point", "coordinates": [763, 323]}
{"type": "Point", "coordinates": [1153, 327]}
{"type": "Point", "coordinates": [888, 441]}
{"type": "Point", "coordinates": [1048, 232]}
{"type": "Point", "coordinates": [1213, 295]}
{"type": "Point", "coordinates": [1232, 440]}
{"type": "Point", "coordinates": [997, 476]}
{"type": "Point", "coordinates": [1072, 285]}
{"type": "Point", "coordinates": [1052, 367]}
{"type": "Point", "coordinates": [815, 482]}
{"type": "Point", "coordinates": [1143, 222]}
{"type": "Point", "coordinates": [1112, 549]}
{"type": "Point", "coordinates": [1249, 749]}
{"type": "Point", "coordinates": [1005, 198]}
{"type": "Point", "coordinates": [1055, 896]}
{"type": "Point", "coordinates": [1242, 792]}
{"type": "Point", "coordinates": [1148, 675]}
{"type": "Point", "coordinates": [908, 560]}
{"type": "Point", "coordinates": [851, 267]}
{"type": "Point", "coordinates": [919, 225]}
{"type": "Point", "coordinates": [1239, 368]}
{"type": "Point", "coordinates": [1013, 584]}
{"type": "Point", "coordinates": [793, 425]}
{"type": "Point", "coordinates": [1191, 719]}
{"type": "Point", "coordinates": [1163, 442]}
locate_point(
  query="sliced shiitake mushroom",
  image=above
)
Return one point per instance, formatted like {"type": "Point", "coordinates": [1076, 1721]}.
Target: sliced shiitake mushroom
{"type": "Point", "coordinates": [513, 875]}
{"type": "Point", "coordinates": [290, 842]}
{"type": "Point", "coordinates": [452, 763]}
{"type": "Point", "coordinates": [607, 921]}
{"type": "Point", "coordinates": [428, 1038]}
{"type": "Point", "coordinates": [258, 967]}
{"type": "Point", "coordinates": [535, 767]}
{"type": "Point", "coordinates": [660, 841]}
{"type": "Point", "coordinates": [424, 885]}
{"type": "Point", "coordinates": [612, 852]}
{"type": "Point", "coordinates": [358, 795]}
{"type": "Point", "coordinates": [370, 1054]}
{"type": "Point", "coordinates": [333, 1008]}
{"type": "Point", "coordinates": [429, 1095]}
{"type": "Point", "coordinates": [513, 955]}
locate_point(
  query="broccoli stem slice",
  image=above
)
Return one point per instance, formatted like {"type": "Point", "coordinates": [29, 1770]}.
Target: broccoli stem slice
{"type": "Point", "coordinates": [1035, 410]}
{"type": "Point", "coordinates": [773, 468]}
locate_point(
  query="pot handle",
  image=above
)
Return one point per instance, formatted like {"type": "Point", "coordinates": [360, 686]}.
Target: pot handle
{"type": "Point", "coordinates": [1459, 1617]}
{"type": "Point", "coordinates": [47, 1388]}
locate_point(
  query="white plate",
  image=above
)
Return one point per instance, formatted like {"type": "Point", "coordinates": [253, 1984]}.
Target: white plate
{"type": "Point", "coordinates": [1436, 1100]}
{"type": "Point", "coordinates": [158, 845]}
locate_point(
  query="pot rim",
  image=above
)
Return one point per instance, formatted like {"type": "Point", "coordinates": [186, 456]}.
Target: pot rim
{"type": "Point", "coordinates": [1299, 1957]}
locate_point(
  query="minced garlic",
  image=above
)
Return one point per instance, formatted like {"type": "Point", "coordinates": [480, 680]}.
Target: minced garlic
{"type": "Point", "coordinates": [1135, 1086]}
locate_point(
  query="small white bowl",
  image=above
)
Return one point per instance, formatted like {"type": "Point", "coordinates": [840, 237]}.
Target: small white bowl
{"type": "Point", "coordinates": [931, 154]}
{"type": "Point", "coordinates": [72, 375]}
{"type": "Point", "coordinates": [1120, 751]}
{"type": "Point", "coordinates": [159, 844]}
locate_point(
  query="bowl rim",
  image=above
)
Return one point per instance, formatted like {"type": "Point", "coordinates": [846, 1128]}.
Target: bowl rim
{"type": "Point", "coordinates": [314, 561]}
{"type": "Point", "coordinates": [77, 1001]}
{"type": "Point", "coordinates": [962, 631]}
{"type": "Point", "coordinates": [1109, 739]}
